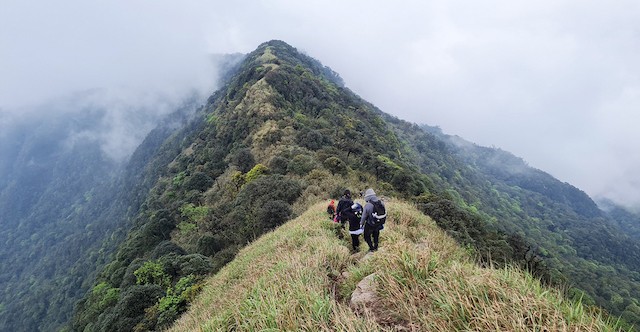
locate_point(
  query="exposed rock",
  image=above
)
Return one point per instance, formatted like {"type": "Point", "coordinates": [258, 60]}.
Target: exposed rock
{"type": "Point", "coordinates": [365, 294]}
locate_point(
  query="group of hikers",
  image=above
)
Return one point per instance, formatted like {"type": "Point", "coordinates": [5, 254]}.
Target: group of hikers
{"type": "Point", "coordinates": [369, 219]}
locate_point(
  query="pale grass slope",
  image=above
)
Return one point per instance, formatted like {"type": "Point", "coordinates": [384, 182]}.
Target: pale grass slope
{"type": "Point", "coordinates": [300, 278]}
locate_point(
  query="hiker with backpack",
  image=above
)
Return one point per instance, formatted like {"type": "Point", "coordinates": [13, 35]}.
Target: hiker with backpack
{"type": "Point", "coordinates": [331, 210]}
{"type": "Point", "coordinates": [352, 216]}
{"type": "Point", "coordinates": [343, 205]}
{"type": "Point", "coordinates": [373, 218]}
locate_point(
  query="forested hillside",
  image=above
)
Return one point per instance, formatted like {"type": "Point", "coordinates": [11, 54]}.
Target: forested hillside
{"type": "Point", "coordinates": [64, 206]}
{"type": "Point", "coordinates": [583, 247]}
{"type": "Point", "coordinates": [46, 193]}
{"type": "Point", "coordinates": [277, 136]}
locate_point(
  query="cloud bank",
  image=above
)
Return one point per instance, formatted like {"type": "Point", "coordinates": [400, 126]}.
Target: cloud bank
{"type": "Point", "coordinates": [555, 82]}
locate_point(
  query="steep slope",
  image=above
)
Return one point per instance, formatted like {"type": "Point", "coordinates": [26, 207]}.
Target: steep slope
{"type": "Point", "coordinates": [582, 244]}
{"type": "Point", "coordinates": [64, 206]}
{"type": "Point", "coordinates": [625, 219]}
{"type": "Point", "coordinates": [301, 277]}
{"type": "Point", "coordinates": [281, 134]}
{"type": "Point", "coordinates": [46, 188]}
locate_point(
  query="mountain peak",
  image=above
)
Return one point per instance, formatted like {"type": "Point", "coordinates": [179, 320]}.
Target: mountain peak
{"type": "Point", "coordinates": [279, 52]}
{"type": "Point", "coordinates": [278, 44]}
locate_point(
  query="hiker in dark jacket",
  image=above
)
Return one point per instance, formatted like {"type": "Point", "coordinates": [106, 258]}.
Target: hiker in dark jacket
{"type": "Point", "coordinates": [343, 205]}
{"type": "Point", "coordinates": [367, 214]}
{"type": "Point", "coordinates": [352, 215]}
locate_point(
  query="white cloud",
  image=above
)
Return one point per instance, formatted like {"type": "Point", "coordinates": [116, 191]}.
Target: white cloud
{"type": "Point", "coordinates": [552, 81]}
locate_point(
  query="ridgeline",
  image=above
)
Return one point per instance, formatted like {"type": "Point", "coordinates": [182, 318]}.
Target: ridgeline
{"type": "Point", "coordinates": [302, 277]}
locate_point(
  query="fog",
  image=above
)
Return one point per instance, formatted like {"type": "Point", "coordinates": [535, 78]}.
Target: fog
{"type": "Point", "coordinates": [554, 82]}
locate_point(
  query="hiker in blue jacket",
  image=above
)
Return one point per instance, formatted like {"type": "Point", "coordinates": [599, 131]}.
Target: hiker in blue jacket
{"type": "Point", "coordinates": [371, 229]}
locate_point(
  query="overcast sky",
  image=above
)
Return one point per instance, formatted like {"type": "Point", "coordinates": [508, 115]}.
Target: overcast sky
{"type": "Point", "coordinates": [554, 82]}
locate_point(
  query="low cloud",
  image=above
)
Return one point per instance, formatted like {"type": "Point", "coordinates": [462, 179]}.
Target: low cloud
{"type": "Point", "coordinates": [554, 82]}
{"type": "Point", "coordinates": [124, 118]}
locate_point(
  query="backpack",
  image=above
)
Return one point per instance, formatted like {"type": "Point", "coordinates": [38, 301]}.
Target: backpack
{"type": "Point", "coordinates": [379, 215]}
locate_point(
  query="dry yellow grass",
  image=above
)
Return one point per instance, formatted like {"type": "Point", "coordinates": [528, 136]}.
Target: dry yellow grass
{"type": "Point", "coordinates": [292, 280]}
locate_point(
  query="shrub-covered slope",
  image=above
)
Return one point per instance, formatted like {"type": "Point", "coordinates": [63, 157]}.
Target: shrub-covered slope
{"type": "Point", "coordinates": [301, 277]}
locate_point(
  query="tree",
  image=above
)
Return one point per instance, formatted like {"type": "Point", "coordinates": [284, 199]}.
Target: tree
{"type": "Point", "coordinates": [301, 164]}
{"type": "Point", "coordinates": [335, 165]}
{"type": "Point", "coordinates": [199, 181]}
{"type": "Point", "coordinates": [274, 213]}
{"type": "Point", "coordinates": [278, 165]}
{"type": "Point", "coordinates": [255, 172]}
{"type": "Point", "coordinates": [152, 272]}
{"type": "Point", "coordinates": [243, 159]}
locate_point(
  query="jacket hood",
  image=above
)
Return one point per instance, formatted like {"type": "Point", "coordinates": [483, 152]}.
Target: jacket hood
{"type": "Point", "coordinates": [370, 195]}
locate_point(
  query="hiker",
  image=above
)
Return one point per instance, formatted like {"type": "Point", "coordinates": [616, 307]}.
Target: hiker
{"type": "Point", "coordinates": [373, 218]}
{"type": "Point", "coordinates": [344, 204]}
{"type": "Point", "coordinates": [352, 215]}
{"type": "Point", "coordinates": [331, 210]}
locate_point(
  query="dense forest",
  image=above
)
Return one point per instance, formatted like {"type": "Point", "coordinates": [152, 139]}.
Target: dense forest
{"type": "Point", "coordinates": [46, 196]}
{"type": "Point", "coordinates": [282, 133]}
{"type": "Point", "coordinates": [65, 206]}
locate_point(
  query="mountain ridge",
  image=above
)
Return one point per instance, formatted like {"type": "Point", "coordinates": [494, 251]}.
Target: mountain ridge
{"type": "Point", "coordinates": [420, 280]}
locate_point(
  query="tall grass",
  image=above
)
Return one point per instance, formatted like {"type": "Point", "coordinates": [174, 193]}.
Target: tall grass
{"type": "Point", "coordinates": [300, 278]}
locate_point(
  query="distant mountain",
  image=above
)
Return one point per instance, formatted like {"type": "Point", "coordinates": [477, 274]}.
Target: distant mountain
{"type": "Point", "coordinates": [627, 221]}
{"type": "Point", "coordinates": [281, 134]}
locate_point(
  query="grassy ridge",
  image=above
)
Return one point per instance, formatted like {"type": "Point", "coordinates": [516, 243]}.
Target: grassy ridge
{"type": "Point", "coordinates": [301, 276]}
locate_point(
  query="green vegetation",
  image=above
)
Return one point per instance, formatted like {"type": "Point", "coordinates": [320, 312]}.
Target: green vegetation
{"type": "Point", "coordinates": [424, 282]}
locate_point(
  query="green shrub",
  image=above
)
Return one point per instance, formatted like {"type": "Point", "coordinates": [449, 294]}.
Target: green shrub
{"type": "Point", "coordinates": [199, 181]}
{"type": "Point", "coordinates": [301, 164]}
{"type": "Point", "coordinates": [278, 165]}
{"type": "Point", "coordinates": [209, 245]}
{"type": "Point", "coordinates": [152, 272]}
{"type": "Point", "coordinates": [255, 172]}
{"type": "Point", "coordinates": [194, 213]}
{"type": "Point", "coordinates": [131, 307]}
{"type": "Point", "coordinates": [274, 213]}
{"type": "Point", "coordinates": [335, 165]}
{"type": "Point", "coordinates": [243, 159]}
